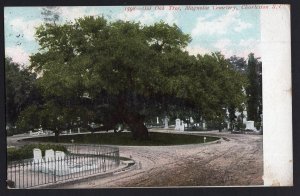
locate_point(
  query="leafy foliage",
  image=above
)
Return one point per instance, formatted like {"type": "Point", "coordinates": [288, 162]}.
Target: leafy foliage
{"type": "Point", "coordinates": [26, 152]}
{"type": "Point", "coordinates": [28, 119]}
{"type": "Point", "coordinates": [130, 73]}
{"type": "Point", "coordinates": [254, 90]}
{"type": "Point", "coordinates": [252, 70]}
{"type": "Point", "coordinates": [21, 90]}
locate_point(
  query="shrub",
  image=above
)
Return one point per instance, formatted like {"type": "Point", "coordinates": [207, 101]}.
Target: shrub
{"type": "Point", "coordinates": [257, 125]}
{"type": "Point", "coordinates": [240, 126]}
{"type": "Point", "coordinates": [26, 152]}
{"type": "Point", "coordinates": [13, 131]}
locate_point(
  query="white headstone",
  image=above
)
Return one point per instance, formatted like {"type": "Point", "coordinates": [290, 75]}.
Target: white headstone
{"type": "Point", "coordinates": [177, 124]}
{"type": "Point", "coordinates": [49, 155]}
{"type": "Point", "coordinates": [37, 154]}
{"type": "Point", "coordinates": [157, 120]}
{"type": "Point", "coordinates": [60, 161]}
{"type": "Point", "coordinates": [245, 116]}
{"type": "Point", "coordinates": [191, 120]}
{"type": "Point", "coordinates": [182, 126]}
{"type": "Point", "coordinates": [250, 125]}
{"type": "Point", "coordinates": [59, 155]}
{"type": "Point", "coordinates": [93, 125]}
{"type": "Point", "coordinates": [49, 158]}
{"type": "Point", "coordinates": [166, 120]}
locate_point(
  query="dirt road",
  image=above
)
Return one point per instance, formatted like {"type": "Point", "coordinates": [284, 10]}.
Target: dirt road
{"type": "Point", "coordinates": [236, 160]}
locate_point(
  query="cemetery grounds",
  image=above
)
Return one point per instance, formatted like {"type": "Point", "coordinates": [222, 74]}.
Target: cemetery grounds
{"type": "Point", "coordinates": [234, 160]}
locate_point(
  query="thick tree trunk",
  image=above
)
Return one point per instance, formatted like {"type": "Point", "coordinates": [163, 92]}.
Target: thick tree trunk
{"type": "Point", "coordinates": [139, 131]}
{"type": "Point", "coordinates": [134, 120]}
{"type": "Point", "coordinates": [56, 134]}
{"type": "Point", "coordinates": [137, 127]}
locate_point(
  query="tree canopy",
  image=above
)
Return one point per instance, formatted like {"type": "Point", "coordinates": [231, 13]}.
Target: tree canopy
{"type": "Point", "coordinates": [254, 90]}
{"type": "Point", "coordinates": [131, 72]}
{"type": "Point", "coordinates": [21, 90]}
{"type": "Point", "coordinates": [252, 70]}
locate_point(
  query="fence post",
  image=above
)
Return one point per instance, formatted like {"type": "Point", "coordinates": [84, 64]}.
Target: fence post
{"type": "Point", "coordinates": [38, 172]}
{"type": "Point", "coordinates": [27, 163]}
{"type": "Point", "coordinates": [23, 173]}
{"type": "Point", "coordinates": [54, 170]}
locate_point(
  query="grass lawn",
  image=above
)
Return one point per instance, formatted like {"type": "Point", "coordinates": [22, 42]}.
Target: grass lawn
{"type": "Point", "coordinates": [125, 138]}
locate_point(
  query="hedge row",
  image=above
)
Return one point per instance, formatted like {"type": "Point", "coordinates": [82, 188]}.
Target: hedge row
{"type": "Point", "coordinates": [26, 152]}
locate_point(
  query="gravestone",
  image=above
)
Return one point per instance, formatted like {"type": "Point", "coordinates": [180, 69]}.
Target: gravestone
{"type": "Point", "coordinates": [120, 127]}
{"type": "Point", "coordinates": [181, 126]}
{"type": "Point", "coordinates": [37, 159]}
{"type": "Point", "coordinates": [177, 124]}
{"type": "Point", "coordinates": [157, 120]}
{"type": "Point", "coordinates": [245, 116]}
{"type": "Point", "coordinates": [191, 120]}
{"type": "Point", "coordinates": [60, 162]}
{"type": "Point", "coordinates": [166, 122]}
{"type": "Point", "coordinates": [49, 158]}
{"type": "Point", "coordinates": [93, 125]}
{"type": "Point", "coordinates": [59, 155]}
{"type": "Point", "coordinates": [37, 155]}
{"type": "Point", "coordinates": [49, 155]}
{"type": "Point", "coordinates": [250, 125]}
{"type": "Point", "coordinates": [203, 125]}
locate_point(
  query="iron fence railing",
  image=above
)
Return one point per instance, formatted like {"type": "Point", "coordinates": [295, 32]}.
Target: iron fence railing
{"type": "Point", "coordinates": [81, 161]}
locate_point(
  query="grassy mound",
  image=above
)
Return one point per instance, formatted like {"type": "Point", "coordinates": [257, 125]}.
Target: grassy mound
{"type": "Point", "coordinates": [125, 138]}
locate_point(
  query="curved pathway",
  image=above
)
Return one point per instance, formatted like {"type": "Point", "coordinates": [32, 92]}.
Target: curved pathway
{"type": "Point", "coordinates": [236, 160]}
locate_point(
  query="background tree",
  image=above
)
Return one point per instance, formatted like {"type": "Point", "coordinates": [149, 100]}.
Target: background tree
{"type": "Point", "coordinates": [252, 69]}
{"type": "Point", "coordinates": [239, 64]}
{"type": "Point", "coordinates": [28, 119]}
{"type": "Point", "coordinates": [51, 14]}
{"type": "Point", "coordinates": [254, 90]}
{"type": "Point", "coordinates": [21, 90]}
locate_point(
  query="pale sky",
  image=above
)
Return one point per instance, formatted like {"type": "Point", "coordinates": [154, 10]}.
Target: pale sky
{"type": "Point", "coordinates": [229, 29]}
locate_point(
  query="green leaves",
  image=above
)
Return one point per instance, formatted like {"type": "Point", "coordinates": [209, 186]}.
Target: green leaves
{"type": "Point", "coordinates": [254, 89]}
{"type": "Point", "coordinates": [164, 37]}
{"type": "Point", "coordinates": [21, 90]}
{"type": "Point", "coordinates": [118, 55]}
{"type": "Point", "coordinates": [134, 69]}
{"type": "Point", "coordinates": [28, 119]}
